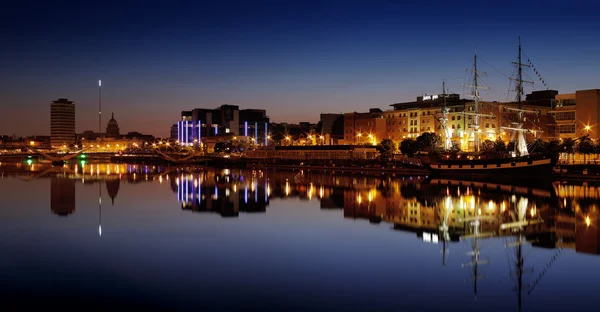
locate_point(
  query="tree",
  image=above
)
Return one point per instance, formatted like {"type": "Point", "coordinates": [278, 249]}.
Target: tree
{"type": "Point", "coordinates": [510, 147]}
{"type": "Point", "coordinates": [499, 147]}
{"type": "Point", "coordinates": [487, 146]}
{"type": "Point", "coordinates": [585, 146]}
{"type": "Point", "coordinates": [427, 141]}
{"type": "Point", "coordinates": [552, 146]}
{"type": "Point", "coordinates": [386, 149]}
{"type": "Point", "coordinates": [222, 147]}
{"type": "Point", "coordinates": [409, 146]}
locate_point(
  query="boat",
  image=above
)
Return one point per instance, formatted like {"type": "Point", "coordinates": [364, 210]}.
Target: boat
{"type": "Point", "coordinates": [517, 163]}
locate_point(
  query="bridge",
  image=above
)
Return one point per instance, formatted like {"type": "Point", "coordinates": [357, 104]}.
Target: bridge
{"type": "Point", "coordinates": [56, 158]}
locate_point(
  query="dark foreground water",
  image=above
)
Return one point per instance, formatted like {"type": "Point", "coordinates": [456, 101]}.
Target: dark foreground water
{"type": "Point", "coordinates": [119, 237]}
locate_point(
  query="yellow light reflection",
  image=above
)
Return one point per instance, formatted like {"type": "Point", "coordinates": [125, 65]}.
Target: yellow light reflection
{"type": "Point", "coordinates": [287, 188]}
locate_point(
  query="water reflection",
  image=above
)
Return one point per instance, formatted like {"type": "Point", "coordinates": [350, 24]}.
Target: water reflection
{"type": "Point", "coordinates": [62, 195]}
{"type": "Point", "coordinates": [553, 216]}
{"type": "Point", "coordinates": [453, 215]}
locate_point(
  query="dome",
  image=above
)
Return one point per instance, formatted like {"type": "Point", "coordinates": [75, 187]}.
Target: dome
{"type": "Point", "coordinates": [112, 121]}
{"type": "Point", "coordinates": [112, 128]}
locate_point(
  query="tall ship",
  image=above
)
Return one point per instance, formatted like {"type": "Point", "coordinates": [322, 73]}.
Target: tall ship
{"type": "Point", "coordinates": [518, 161]}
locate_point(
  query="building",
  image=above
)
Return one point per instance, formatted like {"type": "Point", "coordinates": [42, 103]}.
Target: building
{"type": "Point", "coordinates": [174, 130]}
{"type": "Point", "coordinates": [464, 120]}
{"type": "Point", "coordinates": [62, 123]}
{"type": "Point", "coordinates": [332, 126]}
{"type": "Point", "coordinates": [112, 141]}
{"type": "Point", "coordinates": [576, 114]}
{"type": "Point", "coordinates": [303, 133]}
{"type": "Point", "coordinates": [364, 128]}
{"type": "Point", "coordinates": [112, 128]}
{"type": "Point", "coordinates": [199, 123]}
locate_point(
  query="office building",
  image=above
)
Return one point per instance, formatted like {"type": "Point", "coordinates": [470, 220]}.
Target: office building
{"type": "Point", "coordinates": [200, 123]}
{"type": "Point", "coordinates": [62, 123]}
{"type": "Point", "coordinates": [576, 114]}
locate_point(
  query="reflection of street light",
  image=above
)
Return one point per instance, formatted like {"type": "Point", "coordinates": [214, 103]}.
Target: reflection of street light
{"type": "Point", "coordinates": [588, 221]}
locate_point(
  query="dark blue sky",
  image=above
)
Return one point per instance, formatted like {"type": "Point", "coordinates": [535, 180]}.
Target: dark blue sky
{"type": "Point", "coordinates": [295, 59]}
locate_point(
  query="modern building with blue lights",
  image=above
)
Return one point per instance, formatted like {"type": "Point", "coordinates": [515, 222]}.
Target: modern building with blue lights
{"type": "Point", "coordinates": [202, 123]}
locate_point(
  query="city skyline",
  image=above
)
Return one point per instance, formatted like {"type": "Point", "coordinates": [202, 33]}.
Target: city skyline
{"type": "Point", "coordinates": [295, 60]}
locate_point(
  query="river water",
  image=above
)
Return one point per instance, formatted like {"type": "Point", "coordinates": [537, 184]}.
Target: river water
{"type": "Point", "coordinates": [134, 237]}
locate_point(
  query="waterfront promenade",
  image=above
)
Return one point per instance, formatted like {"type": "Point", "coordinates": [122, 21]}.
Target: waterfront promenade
{"type": "Point", "coordinates": [407, 166]}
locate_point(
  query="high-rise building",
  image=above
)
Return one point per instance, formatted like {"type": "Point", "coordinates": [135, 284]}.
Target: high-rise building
{"type": "Point", "coordinates": [62, 123]}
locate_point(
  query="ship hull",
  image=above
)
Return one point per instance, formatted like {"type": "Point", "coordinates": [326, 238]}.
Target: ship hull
{"type": "Point", "coordinates": [530, 167]}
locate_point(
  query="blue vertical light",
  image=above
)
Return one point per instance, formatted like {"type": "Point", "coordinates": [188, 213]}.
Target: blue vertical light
{"type": "Point", "coordinates": [187, 138]}
{"type": "Point", "coordinates": [246, 194]}
{"type": "Point", "coordinates": [266, 136]}
{"type": "Point", "coordinates": [245, 128]}
{"type": "Point", "coordinates": [179, 191]}
{"type": "Point", "coordinates": [199, 131]}
{"type": "Point", "coordinates": [256, 192]}
{"type": "Point", "coordinates": [216, 130]}
{"type": "Point", "coordinates": [255, 132]}
{"type": "Point", "coordinates": [179, 131]}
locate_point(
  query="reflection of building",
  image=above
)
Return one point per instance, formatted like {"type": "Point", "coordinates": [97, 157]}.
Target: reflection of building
{"type": "Point", "coordinates": [221, 193]}
{"type": "Point", "coordinates": [62, 123]}
{"type": "Point", "coordinates": [587, 237]}
{"type": "Point", "coordinates": [62, 196]}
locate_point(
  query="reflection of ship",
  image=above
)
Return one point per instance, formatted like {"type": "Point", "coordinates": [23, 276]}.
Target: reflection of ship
{"type": "Point", "coordinates": [539, 190]}
{"type": "Point", "coordinates": [475, 235]}
{"type": "Point", "coordinates": [519, 162]}
{"type": "Point", "coordinates": [518, 226]}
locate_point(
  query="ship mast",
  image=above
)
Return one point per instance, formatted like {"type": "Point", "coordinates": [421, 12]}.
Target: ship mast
{"type": "Point", "coordinates": [521, 146]}
{"type": "Point", "coordinates": [444, 121]}
{"type": "Point", "coordinates": [475, 94]}
{"type": "Point", "coordinates": [476, 103]}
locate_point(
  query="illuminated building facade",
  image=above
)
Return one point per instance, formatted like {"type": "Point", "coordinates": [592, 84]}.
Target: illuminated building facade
{"type": "Point", "coordinates": [229, 120]}
{"type": "Point", "coordinates": [411, 119]}
{"type": "Point", "coordinates": [576, 114]}
{"type": "Point", "coordinates": [364, 128]}
{"type": "Point", "coordinates": [62, 123]}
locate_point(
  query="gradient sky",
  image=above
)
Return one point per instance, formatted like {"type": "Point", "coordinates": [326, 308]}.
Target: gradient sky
{"type": "Point", "coordinates": [296, 59]}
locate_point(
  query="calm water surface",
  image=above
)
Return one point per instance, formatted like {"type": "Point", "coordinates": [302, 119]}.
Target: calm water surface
{"type": "Point", "coordinates": [114, 236]}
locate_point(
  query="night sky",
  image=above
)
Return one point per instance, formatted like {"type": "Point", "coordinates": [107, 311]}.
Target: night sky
{"type": "Point", "coordinates": [296, 59]}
